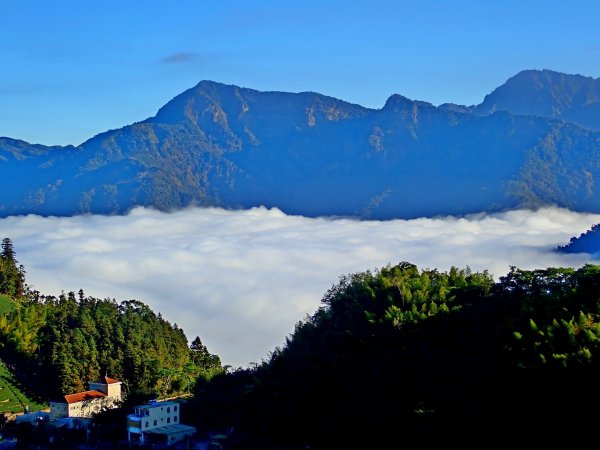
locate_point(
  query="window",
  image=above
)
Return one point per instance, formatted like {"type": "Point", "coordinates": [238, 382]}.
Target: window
{"type": "Point", "coordinates": [175, 408]}
{"type": "Point", "coordinates": [168, 420]}
{"type": "Point", "coordinates": [169, 409]}
{"type": "Point", "coordinates": [146, 424]}
{"type": "Point", "coordinates": [155, 423]}
{"type": "Point", "coordinates": [175, 419]}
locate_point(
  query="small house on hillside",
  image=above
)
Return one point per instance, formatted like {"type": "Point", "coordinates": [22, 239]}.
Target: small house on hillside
{"type": "Point", "coordinates": [158, 422]}
{"type": "Point", "coordinates": [103, 394]}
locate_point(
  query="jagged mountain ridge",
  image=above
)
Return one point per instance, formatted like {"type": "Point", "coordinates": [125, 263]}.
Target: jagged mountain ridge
{"type": "Point", "coordinates": [309, 154]}
{"type": "Point", "coordinates": [544, 93]}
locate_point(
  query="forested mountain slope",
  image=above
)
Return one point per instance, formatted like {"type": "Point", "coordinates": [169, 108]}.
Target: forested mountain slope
{"type": "Point", "coordinates": [545, 93]}
{"type": "Point", "coordinates": [422, 358]}
{"type": "Point", "coordinates": [588, 242]}
{"type": "Point", "coordinates": [56, 345]}
{"type": "Point", "coordinates": [314, 155]}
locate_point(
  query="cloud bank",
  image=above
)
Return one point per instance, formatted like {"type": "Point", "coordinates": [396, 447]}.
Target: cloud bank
{"type": "Point", "coordinates": [241, 280]}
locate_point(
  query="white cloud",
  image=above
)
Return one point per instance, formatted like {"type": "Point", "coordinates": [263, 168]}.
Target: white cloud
{"type": "Point", "coordinates": [242, 280]}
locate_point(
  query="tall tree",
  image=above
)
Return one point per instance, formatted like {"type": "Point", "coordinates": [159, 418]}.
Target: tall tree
{"type": "Point", "coordinates": [8, 252]}
{"type": "Point", "coordinates": [12, 276]}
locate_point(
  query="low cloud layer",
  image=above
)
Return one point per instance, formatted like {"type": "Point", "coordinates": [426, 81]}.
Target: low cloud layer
{"type": "Point", "coordinates": [242, 280]}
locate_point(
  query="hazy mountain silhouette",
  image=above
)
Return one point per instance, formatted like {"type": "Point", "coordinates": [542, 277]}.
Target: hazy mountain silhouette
{"type": "Point", "coordinates": [314, 155]}
{"type": "Point", "coordinates": [588, 242]}
{"type": "Point", "coordinates": [544, 93]}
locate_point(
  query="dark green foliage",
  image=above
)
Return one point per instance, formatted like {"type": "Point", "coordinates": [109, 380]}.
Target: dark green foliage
{"type": "Point", "coordinates": [57, 345]}
{"type": "Point", "coordinates": [407, 357]}
{"type": "Point", "coordinates": [12, 276]}
{"type": "Point", "coordinates": [68, 342]}
{"type": "Point", "coordinates": [8, 252]}
{"type": "Point", "coordinates": [207, 363]}
{"type": "Point", "coordinates": [7, 304]}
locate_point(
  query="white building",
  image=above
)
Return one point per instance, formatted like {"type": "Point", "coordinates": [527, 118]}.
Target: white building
{"type": "Point", "coordinates": [158, 421]}
{"type": "Point", "coordinates": [103, 394]}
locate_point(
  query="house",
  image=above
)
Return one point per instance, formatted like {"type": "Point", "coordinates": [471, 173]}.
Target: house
{"type": "Point", "coordinates": [102, 394]}
{"type": "Point", "coordinates": [158, 422]}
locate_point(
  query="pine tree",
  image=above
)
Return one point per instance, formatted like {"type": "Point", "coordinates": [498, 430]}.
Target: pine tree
{"type": "Point", "coordinates": [12, 276]}
{"type": "Point", "coordinates": [8, 252]}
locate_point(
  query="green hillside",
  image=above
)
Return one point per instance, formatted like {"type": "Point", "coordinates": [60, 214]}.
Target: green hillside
{"type": "Point", "coordinates": [54, 346]}
{"type": "Point", "coordinates": [13, 398]}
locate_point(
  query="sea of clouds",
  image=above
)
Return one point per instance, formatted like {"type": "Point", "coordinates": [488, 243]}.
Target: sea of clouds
{"type": "Point", "coordinates": [241, 280]}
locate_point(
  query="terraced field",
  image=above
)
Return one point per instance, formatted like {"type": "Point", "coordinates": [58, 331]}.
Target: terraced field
{"type": "Point", "coordinates": [13, 399]}
{"type": "Point", "coordinates": [12, 396]}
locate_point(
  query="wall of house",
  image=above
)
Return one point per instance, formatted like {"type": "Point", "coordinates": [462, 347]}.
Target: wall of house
{"type": "Point", "coordinates": [161, 415]}
{"type": "Point", "coordinates": [112, 390]}
{"type": "Point", "coordinates": [148, 417]}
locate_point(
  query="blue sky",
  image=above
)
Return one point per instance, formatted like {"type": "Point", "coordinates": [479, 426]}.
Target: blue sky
{"type": "Point", "coordinates": [70, 70]}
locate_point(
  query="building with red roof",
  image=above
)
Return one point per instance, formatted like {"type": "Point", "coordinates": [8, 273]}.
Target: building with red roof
{"type": "Point", "coordinates": [103, 394]}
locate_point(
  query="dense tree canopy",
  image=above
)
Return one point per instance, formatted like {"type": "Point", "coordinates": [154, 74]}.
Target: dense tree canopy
{"type": "Point", "coordinates": [422, 357]}
{"type": "Point", "coordinates": [400, 355]}
{"type": "Point", "coordinates": [58, 344]}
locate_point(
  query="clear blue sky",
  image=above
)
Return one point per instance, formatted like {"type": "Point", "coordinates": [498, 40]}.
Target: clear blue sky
{"type": "Point", "coordinates": [72, 69]}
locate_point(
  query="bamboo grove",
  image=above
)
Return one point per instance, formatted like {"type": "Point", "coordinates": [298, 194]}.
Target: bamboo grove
{"type": "Point", "coordinates": [409, 357]}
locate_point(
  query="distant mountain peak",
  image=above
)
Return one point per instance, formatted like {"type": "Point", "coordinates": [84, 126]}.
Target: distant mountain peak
{"type": "Point", "coordinates": [397, 101]}
{"type": "Point", "coordinates": [547, 93]}
{"type": "Point", "coordinates": [547, 73]}
{"type": "Point", "coordinates": [453, 107]}
{"type": "Point", "coordinates": [307, 153]}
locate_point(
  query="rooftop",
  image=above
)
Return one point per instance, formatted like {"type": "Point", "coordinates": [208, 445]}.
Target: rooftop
{"type": "Point", "coordinates": [107, 380]}
{"type": "Point", "coordinates": [154, 404]}
{"type": "Point", "coordinates": [171, 429]}
{"type": "Point", "coordinates": [82, 396]}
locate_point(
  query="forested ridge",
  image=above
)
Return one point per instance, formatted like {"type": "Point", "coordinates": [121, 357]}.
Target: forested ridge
{"type": "Point", "coordinates": [533, 142]}
{"type": "Point", "coordinates": [405, 357]}
{"type": "Point", "coordinates": [56, 345]}
{"type": "Point", "coordinates": [588, 242]}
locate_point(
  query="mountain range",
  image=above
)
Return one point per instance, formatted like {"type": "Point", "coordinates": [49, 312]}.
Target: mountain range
{"type": "Point", "coordinates": [533, 141]}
